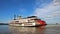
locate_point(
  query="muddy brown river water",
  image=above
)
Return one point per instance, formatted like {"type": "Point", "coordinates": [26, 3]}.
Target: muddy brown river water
{"type": "Point", "coordinates": [48, 29]}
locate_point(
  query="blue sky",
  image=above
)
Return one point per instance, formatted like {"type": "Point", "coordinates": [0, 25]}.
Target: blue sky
{"type": "Point", "coordinates": [47, 10]}
{"type": "Point", "coordinates": [19, 7]}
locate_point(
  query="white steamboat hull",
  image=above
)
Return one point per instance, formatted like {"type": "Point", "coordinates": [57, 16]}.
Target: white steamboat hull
{"type": "Point", "coordinates": [25, 25]}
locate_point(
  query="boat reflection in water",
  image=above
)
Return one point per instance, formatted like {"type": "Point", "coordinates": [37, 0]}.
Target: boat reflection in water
{"type": "Point", "coordinates": [27, 30]}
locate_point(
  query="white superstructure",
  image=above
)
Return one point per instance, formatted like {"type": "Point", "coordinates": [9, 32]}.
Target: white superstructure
{"type": "Point", "coordinates": [29, 21]}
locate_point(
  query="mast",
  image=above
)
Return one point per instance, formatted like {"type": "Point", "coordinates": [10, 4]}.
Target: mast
{"type": "Point", "coordinates": [14, 17]}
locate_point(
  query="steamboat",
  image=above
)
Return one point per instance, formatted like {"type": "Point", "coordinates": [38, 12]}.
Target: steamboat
{"type": "Point", "coordinates": [28, 21]}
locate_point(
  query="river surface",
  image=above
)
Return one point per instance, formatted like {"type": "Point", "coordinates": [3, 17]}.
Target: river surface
{"type": "Point", "coordinates": [49, 29]}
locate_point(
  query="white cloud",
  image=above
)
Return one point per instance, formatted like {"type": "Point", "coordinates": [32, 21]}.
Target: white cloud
{"type": "Point", "coordinates": [50, 11]}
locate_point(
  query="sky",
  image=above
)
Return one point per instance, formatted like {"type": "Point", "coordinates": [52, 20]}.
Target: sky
{"type": "Point", "coordinates": [47, 10]}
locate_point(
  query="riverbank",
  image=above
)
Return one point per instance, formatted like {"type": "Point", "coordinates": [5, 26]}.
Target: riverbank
{"type": "Point", "coordinates": [3, 23]}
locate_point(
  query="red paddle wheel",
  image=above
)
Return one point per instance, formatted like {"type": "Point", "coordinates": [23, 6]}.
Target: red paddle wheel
{"type": "Point", "coordinates": [41, 22]}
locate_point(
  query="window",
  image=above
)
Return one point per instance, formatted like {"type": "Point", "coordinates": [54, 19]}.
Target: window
{"type": "Point", "coordinates": [16, 21]}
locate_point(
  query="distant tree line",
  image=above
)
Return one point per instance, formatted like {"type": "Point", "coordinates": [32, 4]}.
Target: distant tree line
{"type": "Point", "coordinates": [3, 23]}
